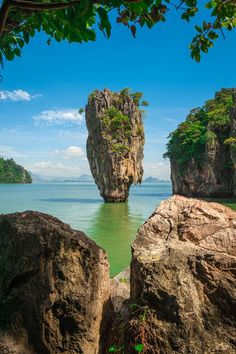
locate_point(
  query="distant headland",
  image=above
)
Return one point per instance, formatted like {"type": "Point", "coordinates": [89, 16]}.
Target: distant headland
{"type": "Point", "coordinates": [11, 172]}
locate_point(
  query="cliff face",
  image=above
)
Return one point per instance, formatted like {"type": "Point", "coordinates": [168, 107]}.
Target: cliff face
{"type": "Point", "coordinates": [208, 141]}
{"type": "Point", "coordinates": [115, 143]}
{"type": "Point", "coordinates": [10, 172]}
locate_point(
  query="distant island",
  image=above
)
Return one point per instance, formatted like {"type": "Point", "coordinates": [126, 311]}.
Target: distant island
{"type": "Point", "coordinates": [10, 172]}
{"type": "Point", "coordinates": [82, 178]}
{"type": "Point", "coordinates": [154, 180]}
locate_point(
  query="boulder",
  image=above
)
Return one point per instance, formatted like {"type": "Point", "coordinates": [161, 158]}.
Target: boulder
{"type": "Point", "coordinates": [54, 285]}
{"type": "Point", "coordinates": [183, 287]}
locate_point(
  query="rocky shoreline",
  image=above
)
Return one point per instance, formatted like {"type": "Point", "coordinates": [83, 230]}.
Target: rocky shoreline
{"type": "Point", "coordinates": [56, 295]}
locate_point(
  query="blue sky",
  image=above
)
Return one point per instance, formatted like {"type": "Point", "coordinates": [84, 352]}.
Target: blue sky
{"type": "Point", "coordinates": [42, 91]}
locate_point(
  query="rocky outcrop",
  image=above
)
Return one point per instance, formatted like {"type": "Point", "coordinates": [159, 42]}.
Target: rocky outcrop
{"type": "Point", "coordinates": [183, 288]}
{"type": "Point", "coordinates": [210, 173]}
{"type": "Point", "coordinates": [183, 278]}
{"type": "Point", "coordinates": [10, 172]}
{"type": "Point", "coordinates": [54, 284]}
{"type": "Point", "coordinates": [115, 143]}
{"type": "Point", "coordinates": [56, 297]}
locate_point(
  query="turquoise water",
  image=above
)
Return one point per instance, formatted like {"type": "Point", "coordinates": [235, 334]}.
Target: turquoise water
{"type": "Point", "coordinates": [111, 226]}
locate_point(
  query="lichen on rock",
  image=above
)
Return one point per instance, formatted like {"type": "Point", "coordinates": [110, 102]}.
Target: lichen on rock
{"type": "Point", "coordinates": [115, 142]}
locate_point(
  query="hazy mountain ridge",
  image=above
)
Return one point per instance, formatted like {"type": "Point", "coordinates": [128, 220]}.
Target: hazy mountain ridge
{"type": "Point", "coordinates": [81, 178]}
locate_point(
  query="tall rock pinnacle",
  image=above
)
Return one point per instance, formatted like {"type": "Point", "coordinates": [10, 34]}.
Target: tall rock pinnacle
{"type": "Point", "coordinates": [115, 142]}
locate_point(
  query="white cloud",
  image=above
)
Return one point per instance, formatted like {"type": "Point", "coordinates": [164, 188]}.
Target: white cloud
{"type": "Point", "coordinates": [59, 117]}
{"type": "Point", "coordinates": [160, 169]}
{"type": "Point", "coordinates": [48, 168]}
{"type": "Point", "coordinates": [74, 151]}
{"type": "Point", "coordinates": [9, 152]}
{"type": "Point", "coordinates": [16, 95]}
{"type": "Point", "coordinates": [69, 153]}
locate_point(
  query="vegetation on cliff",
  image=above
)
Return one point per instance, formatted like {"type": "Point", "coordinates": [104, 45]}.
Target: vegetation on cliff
{"type": "Point", "coordinates": [117, 128]}
{"type": "Point", "coordinates": [202, 127]}
{"type": "Point", "coordinates": [10, 172]}
{"type": "Point", "coordinates": [115, 141]}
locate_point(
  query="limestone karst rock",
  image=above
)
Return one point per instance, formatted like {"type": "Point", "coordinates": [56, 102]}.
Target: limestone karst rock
{"type": "Point", "coordinates": [202, 150]}
{"type": "Point", "coordinates": [115, 143]}
{"type": "Point", "coordinates": [54, 283]}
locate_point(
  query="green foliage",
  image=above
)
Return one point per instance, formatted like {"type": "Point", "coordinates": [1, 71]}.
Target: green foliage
{"type": "Point", "coordinates": [145, 103]}
{"type": "Point", "coordinates": [136, 96]}
{"type": "Point", "coordinates": [81, 110]}
{"type": "Point", "coordinates": [80, 20]}
{"type": "Point", "coordinates": [224, 18]}
{"type": "Point", "coordinates": [186, 142]}
{"type": "Point", "coordinates": [140, 130]}
{"type": "Point", "coordinates": [139, 347]}
{"type": "Point", "coordinates": [115, 119]}
{"type": "Point", "coordinates": [117, 126]}
{"type": "Point", "coordinates": [120, 148]}
{"type": "Point", "coordinates": [231, 141]}
{"type": "Point", "coordinates": [10, 172]}
{"type": "Point", "coordinates": [210, 138]}
{"type": "Point", "coordinates": [124, 281]}
{"type": "Point", "coordinates": [202, 126]}
{"type": "Point", "coordinates": [125, 91]}
{"type": "Point", "coordinates": [114, 349]}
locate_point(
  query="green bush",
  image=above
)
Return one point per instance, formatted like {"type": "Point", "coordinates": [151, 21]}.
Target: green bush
{"type": "Point", "coordinates": [203, 126]}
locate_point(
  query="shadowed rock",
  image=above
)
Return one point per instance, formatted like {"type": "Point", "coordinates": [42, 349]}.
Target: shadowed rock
{"type": "Point", "coordinates": [54, 282]}
{"type": "Point", "coordinates": [115, 143]}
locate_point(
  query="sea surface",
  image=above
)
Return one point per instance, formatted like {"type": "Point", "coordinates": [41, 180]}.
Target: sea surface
{"type": "Point", "coordinates": [111, 226]}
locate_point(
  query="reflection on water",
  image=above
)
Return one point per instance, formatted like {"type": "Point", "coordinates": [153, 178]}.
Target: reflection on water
{"type": "Point", "coordinates": [111, 226]}
{"type": "Point", "coordinates": [163, 195]}
{"type": "Point", "coordinates": [229, 202]}
{"type": "Point", "coordinates": [72, 200]}
{"type": "Point", "coordinates": [114, 228]}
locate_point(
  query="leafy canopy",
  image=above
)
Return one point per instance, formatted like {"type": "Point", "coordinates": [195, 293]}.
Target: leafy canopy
{"type": "Point", "coordinates": [80, 20]}
{"type": "Point", "coordinates": [202, 126]}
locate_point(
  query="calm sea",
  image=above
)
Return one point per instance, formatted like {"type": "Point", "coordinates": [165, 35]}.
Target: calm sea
{"type": "Point", "coordinates": [111, 226]}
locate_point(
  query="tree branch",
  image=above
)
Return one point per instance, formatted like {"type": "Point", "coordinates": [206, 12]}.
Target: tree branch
{"type": "Point", "coordinates": [3, 15]}
{"type": "Point", "coordinates": [38, 6]}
